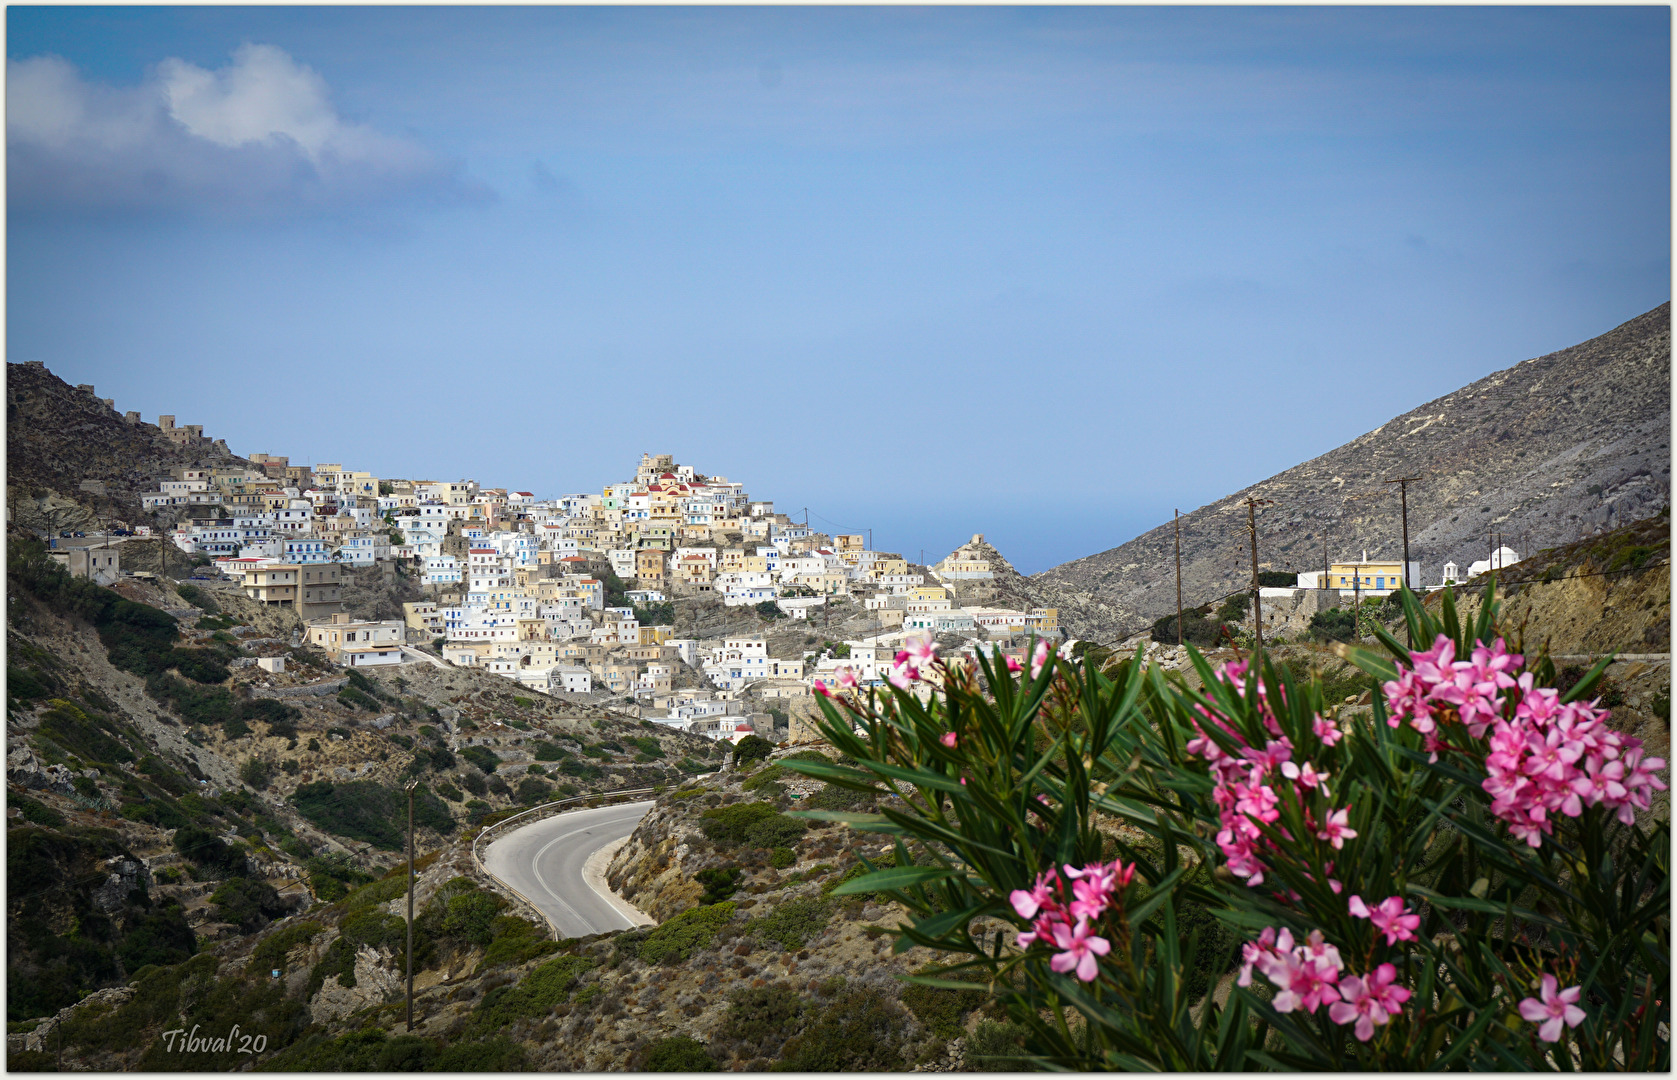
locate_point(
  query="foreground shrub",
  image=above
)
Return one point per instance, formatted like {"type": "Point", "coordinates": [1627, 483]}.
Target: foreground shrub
{"type": "Point", "coordinates": [364, 810]}
{"type": "Point", "coordinates": [860, 1030]}
{"type": "Point", "coordinates": [676, 939]}
{"type": "Point", "coordinates": [792, 923]}
{"type": "Point", "coordinates": [760, 1019]}
{"type": "Point", "coordinates": [1461, 880]}
{"type": "Point", "coordinates": [678, 1053]}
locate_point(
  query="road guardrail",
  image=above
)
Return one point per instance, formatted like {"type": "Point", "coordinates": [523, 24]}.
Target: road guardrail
{"type": "Point", "coordinates": [558, 806]}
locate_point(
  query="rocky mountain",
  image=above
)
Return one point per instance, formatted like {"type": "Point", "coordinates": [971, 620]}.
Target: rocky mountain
{"type": "Point", "coordinates": [1545, 452]}
{"type": "Point", "coordinates": [59, 436]}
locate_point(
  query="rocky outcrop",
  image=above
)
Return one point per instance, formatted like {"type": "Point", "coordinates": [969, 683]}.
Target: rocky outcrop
{"type": "Point", "coordinates": [1564, 445]}
{"type": "Point", "coordinates": [376, 982]}
{"type": "Point", "coordinates": [59, 436]}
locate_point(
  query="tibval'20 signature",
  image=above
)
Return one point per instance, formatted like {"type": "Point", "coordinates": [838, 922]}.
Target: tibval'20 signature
{"type": "Point", "coordinates": [232, 1042]}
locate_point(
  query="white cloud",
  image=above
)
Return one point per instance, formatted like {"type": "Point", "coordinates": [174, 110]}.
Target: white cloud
{"type": "Point", "coordinates": [259, 135]}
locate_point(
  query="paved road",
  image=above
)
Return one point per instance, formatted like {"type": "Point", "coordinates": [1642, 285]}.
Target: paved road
{"type": "Point", "coordinates": [408, 650]}
{"type": "Point", "coordinates": [544, 862]}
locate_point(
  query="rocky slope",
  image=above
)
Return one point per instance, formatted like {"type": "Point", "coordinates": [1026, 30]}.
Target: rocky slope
{"type": "Point", "coordinates": [136, 719]}
{"type": "Point", "coordinates": [1564, 445]}
{"type": "Point", "coordinates": [58, 436]}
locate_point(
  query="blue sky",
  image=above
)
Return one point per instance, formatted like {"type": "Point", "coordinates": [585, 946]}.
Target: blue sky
{"type": "Point", "coordinates": [1040, 273]}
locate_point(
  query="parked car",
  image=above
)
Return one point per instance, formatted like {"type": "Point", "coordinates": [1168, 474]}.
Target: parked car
{"type": "Point", "coordinates": [65, 535]}
{"type": "Point", "coordinates": [80, 534]}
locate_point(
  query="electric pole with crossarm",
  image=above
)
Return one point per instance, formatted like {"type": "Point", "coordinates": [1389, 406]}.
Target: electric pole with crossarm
{"type": "Point", "coordinates": [1403, 483]}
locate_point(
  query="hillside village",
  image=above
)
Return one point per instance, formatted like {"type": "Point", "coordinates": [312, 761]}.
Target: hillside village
{"type": "Point", "coordinates": [575, 596]}
{"type": "Point", "coordinates": [673, 596]}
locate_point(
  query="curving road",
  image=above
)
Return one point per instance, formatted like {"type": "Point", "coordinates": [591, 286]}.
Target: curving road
{"type": "Point", "coordinates": [544, 862]}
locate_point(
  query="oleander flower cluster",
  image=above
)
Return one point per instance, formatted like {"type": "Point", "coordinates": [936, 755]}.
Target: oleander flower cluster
{"type": "Point", "coordinates": [1544, 757]}
{"type": "Point", "coordinates": [1309, 974]}
{"type": "Point", "coordinates": [1247, 777]}
{"type": "Point", "coordinates": [1064, 905]}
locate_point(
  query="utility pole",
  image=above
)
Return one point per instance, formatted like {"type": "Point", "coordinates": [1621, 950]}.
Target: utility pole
{"type": "Point", "coordinates": [1257, 602]}
{"type": "Point", "coordinates": [411, 786]}
{"type": "Point", "coordinates": [1177, 522]}
{"type": "Point", "coordinates": [1403, 483]}
{"type": "Point", "coordinates": [1357, 599]}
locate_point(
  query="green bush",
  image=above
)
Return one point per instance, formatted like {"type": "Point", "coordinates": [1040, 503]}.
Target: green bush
{"type": "Point", "coordinates": [752, 748]}
{"type": "Point", "coordinates": [497, 1054]}
{"type": "Point", "coordinates": [256, 772]}
{"type": "Point", "coordinates": [580, 769]}
{"type": "Point", "coordinates": [941, 1011]}
{"type": "Point", "coordinates": [353, 698]}
{"type": "Point", "coordinates": [728, 824]}
{"type": "Point", "coordinates": [536, 994]}
{"type": "Point", "coordinates": [648, 746]}
{"type": "Point", "coordinates": [765, 778]}
{"type": "Point", "coordinates": [792, 923]}
{"type": "Point", "coordinates": [1196, 630]}
{"type": "Point", "coordinates": [271, 951]}
{"type": "Point", "coordinates": [677, 938]}
{"type": "Point", "coordinates": [513, 940]}
{"type": "Point", "coordinates": [782, 857]}
{"type": "Point", "coordinates": [531, 790]}
{"type": "Point", "coordinates": [546, 750]}
{"type": "Point", "coordinates": [37, 813]}
{"type": "Point", "coordinates": [689, 765]}
{"type": "Point", "coordinates": [678, 1053]}
{"type": "Point", "coordinates": [332, 875]}
{"type": "Point", "coordinates": [720, 883]}
{"type": "Point", "coordinates": [370, 812]}
{"type": "Point", "coordinates": [247, 904]}
{"type": "Point", "coordinates": [777, 831]}
{"type": "Point", "coordinates": [833, 797]}
{"type": "Point", "coordinates": [861, 1030]}
{"type": "Point", "coordinates": [463, 913]}
{"type": "Point", "coordinates": [205, 849]}
{"type": "Point", "coordinates": [486, 760]}
{"type": "Point", "coordinates": [992, 1046]}
{"type": "Point", "coordinates": [92, 737]}
{"type": "Point", "coordinates": [1334, 624]}
{"type": "Point", "coordinates": [760, 1019]}
{"type": "Point", "coordinates": [450, 792]}
{"type": "Point", "coordinates": [473, 783]}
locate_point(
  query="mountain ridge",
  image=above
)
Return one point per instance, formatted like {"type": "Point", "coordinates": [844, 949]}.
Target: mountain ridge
{"type": "Point", "coordinates": [1552, 448]}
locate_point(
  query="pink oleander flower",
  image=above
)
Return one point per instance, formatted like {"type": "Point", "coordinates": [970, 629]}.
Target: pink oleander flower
{"type": "Point", "coordinates": [1306, 777]}
{"type": "Point", "coordinates": [1273, 756]}
{"type": "Point", "coordinates": [1039, 658]}
{"type": "Point", "coordinates": [1327, 731]}
{"type": "Point", "coordinates": [1305, 983]}
{"type": "Point", "coordinates": [1255, 951]}
{"type": "Point", "coordinates": [847, 678]}
{"type": "Point", "coordinates": [1094, 885]}
{"type": "Point", "coordinates": [948, 739]}
{"type": "Point", "coordinates": [1257, 800]}
{"type": "Point", "coordinates": [1079, 950]}
{"type": "Point", "coordinates": [1014, 666]}
{"type": "Point", "coordinates": [1371, 1001]}
{"type": "Point", "coordinates": [1389, 917]}
{"type": "Point", "coordinates": [1336, 829]}
{"type": "Point", "coordinates": [1038, 898]}
{"type": "Point", "coordinates": [900, 676]}
{"type": "Point", "coordinates": [821, 688]}
{"type": "Point", "coordinates": [921, 649]}
{"type": "Point", "coordinates": [1557, 1007]}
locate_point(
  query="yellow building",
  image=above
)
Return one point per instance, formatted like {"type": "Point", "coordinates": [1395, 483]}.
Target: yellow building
{"type": "Point", "coordinates": [1374, 576]}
